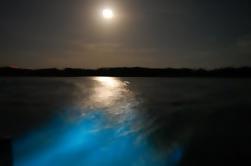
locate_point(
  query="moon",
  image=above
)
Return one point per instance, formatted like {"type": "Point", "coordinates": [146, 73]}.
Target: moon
{"type": "Point", "coordinates": [107, 13]}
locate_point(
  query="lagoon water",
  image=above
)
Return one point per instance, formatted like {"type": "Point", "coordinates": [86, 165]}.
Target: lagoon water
{"type": "Point", "coordinates": [126, 121]}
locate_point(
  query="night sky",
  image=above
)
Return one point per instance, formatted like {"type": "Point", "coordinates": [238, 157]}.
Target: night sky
{"type": "Point", "coordinates": [146, 33]}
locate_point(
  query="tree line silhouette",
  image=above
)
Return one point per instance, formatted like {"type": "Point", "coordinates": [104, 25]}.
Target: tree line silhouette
{"type": "Point", "coordinates": [128, 72]}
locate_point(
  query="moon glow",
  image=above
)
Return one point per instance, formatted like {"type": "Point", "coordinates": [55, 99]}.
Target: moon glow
{"type": "Point", "coordinates": [107, 13]}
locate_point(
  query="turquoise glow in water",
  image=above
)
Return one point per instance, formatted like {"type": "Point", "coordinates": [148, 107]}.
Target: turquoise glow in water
{"type": "Point", "coordinates": [83, 142]}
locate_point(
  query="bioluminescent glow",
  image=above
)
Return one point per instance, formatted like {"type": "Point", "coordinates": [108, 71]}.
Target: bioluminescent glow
{"type": "Point", "coordinates": [87, 142]}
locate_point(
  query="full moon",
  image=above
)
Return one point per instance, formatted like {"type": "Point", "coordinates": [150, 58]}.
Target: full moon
{"type": "Point", "coordinates": [107, 13]}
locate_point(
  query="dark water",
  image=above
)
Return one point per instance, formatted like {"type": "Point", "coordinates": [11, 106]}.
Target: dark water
{"type": "Point", "coordinates": [126, 121]}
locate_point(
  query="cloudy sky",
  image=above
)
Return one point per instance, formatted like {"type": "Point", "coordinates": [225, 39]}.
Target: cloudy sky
{"type": "Point", "coordinates": [147, 33]}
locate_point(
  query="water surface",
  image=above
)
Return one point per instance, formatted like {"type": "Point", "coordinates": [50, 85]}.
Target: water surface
{"type": "Point", "coordinates": [125, 121]}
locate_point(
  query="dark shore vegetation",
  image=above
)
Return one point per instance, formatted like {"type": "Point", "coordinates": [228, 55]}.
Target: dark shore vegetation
{"type": "Point", "coordinates": [128, 72]}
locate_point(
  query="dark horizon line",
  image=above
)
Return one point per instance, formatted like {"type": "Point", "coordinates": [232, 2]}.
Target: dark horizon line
{"type": "Point", "coordinates": [244, 71]}
{"type": "Point", "coordinates": [127, 67]}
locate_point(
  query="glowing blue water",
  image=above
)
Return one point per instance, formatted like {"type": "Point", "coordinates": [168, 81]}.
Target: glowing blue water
{"type": "Point", "coordinates": [86, 142]}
